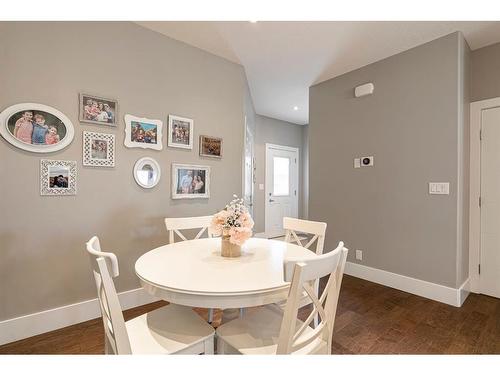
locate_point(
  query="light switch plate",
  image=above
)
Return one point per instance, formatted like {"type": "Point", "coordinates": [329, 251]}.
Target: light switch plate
{"type": "Point", "coordinates": [357, 163]}
{"type": "Point", "coordinates": [359, 254]}
{"type": "Point", "coordinates": [441, 188]}
{"type": "Point", "coordinates": [261, 186]}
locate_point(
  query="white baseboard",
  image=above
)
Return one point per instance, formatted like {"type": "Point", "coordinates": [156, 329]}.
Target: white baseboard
{"type": "Point", "coordinates": [45, 321]}
{"type": "Point", "coordinates": [441, 293]}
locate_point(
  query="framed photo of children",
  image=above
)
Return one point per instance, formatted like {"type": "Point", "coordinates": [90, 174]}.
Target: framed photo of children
{"type": "Point", "coordinates": [190, 181]}
{"type": "Point", "coordinates": [210, 146]}
{"type": "Point", "coordinates": [36, 127]}
{"type": "Point", "coordinates": [97, 110]}
{"type": "Point", "coordinates": [180, 132]}
{"type": "Point", "coordinates": [57, 177]}
{"type": "Point", "coordinates": [143, 132]}
{"type": "Point", "coordinates": [98, 149]}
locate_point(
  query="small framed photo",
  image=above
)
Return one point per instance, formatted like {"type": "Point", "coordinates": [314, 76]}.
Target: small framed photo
{"type": "Point", "coordinates": [210, 146]}
{"type": "Point", "coordinates": [180, 132]}
{"type": "Point", "coordinates": [190, 181]}
{"type": "Point", "coordinates": [143, 132]}
{"type": "Point", "coordinates": [97, 110]}
{"type": "Point", "coordinates": [98, 149]}
{"type": "Point", "coordinates": [57, 177]}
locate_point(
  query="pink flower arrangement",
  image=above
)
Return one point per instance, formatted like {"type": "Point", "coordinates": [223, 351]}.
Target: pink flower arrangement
{"type": "Point", "coordinates": [233, 221]}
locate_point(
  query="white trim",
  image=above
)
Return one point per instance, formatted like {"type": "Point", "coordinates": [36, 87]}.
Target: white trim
{"type": "Point", "coordinates": [266, 189]}
{"type": "Point", "coordinates": [45, 321]}
{"type": "Point", "coordinates": [436, 292]}
{"type": "Point", "coordinates": [476, 109]}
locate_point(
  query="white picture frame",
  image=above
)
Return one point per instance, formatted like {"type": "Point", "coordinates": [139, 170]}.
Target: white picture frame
{"type": "Point", "coordinates": [98, 149]}
{"type": "Point", "coordinates": [11, 123]}
{"type": "Point", "coordinates": [185, 187]}
{"type": "Point", "coordinates": [102, 116]}
{"type": "Point", "coordinates": [153, 170]}
{"type": "Point", "coordinates": [58, 177]}
{"type": "Point", "coordinates": [183, 140]}
{"type": "Point", "coordinates": [136, 138]}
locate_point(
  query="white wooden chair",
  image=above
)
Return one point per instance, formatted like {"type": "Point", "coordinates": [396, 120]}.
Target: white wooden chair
{"type": "Point", "coordinates": [293, 227]}
{"type": "Point", "coordinates": [174, 226]}
{"type": "Point", "coordinates": [270, 330]}
{"type": "Point", "coordinates": [171, 329]}
{"type": "Point", "coordinates": [315, 228]}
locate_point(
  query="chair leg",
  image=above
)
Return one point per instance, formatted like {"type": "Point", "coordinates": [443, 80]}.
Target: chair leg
{"type": "Point", "coordinates": [210, 315]}
{"type": "Point", "coordinates": [220, 346]}
{"type": "Point", "coordinates": [315, 321]}
{"type": "Point", "coordinates": [209, 345]}
{"type": "Point", "coordinates": [242, 312]}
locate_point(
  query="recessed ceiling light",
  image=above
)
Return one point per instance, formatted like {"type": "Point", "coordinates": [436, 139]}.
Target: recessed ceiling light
{"type": "Point", "coordinates": [295, 108]}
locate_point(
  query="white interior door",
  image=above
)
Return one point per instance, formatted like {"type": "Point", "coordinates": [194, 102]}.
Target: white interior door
{"type": "Point", "coordinates": [249, 174]}
{"type": "Point", "coordinates": [281, 187]}
{"type": "Point", "coordinates": [489, 277]}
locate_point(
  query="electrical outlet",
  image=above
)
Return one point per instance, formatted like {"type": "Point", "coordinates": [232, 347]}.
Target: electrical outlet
{"type": "Point", "coordinates": [359, 254]}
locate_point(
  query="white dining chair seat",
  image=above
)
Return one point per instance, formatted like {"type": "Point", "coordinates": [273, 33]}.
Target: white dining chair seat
{"type": "Point", "coordinates": [172, 329]}
{"type": "Point", "coordinates": [257, 332]}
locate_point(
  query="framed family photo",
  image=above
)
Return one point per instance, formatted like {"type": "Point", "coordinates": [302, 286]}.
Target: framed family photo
{"type": "Point", "coordinates": [97, 110]}
{"type": "Point", "coordinates": [190, 181]}
{"type": "Point", "coordinates": [210, 146]}
{"type": "Point", "coordinates": [180, 132]}
{"type": "Point", "coordinates": [143, 132]}
{"type": "Point", "coordinates": [57, 177]}
{"type": "Point", "coordinates": [36, 127]}
{"type": "Point", "coordinates": [98, 149]}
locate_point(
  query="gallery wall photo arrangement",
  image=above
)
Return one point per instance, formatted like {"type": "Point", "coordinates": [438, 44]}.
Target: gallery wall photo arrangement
{"type": "Point", "coordinates": [57, 177]}
{"type": "Point", "coordinates": [190, 181]}
{"type": "Point", "coordinates": [180, 132]}
{"type": "Point", "coordinates": [36, 127]}
{"type": "Point", "coordinates": [143, 132]}
{"type": "Point", "coordinates": [210, 146]}
{"type": "Point", "coordinates": [98, 149]}
{"type": "Point", "coordinates": [98, 110]}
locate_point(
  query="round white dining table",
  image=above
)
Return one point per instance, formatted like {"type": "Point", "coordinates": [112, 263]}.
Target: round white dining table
{"type": "Point", "coordinates": [193, 273]}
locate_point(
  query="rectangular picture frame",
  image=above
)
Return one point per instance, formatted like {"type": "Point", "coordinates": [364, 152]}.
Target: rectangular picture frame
{"type": "Point", "coordinates": [98, 116]}
{"type": "Point", "coordinates": [210, 147]}
{"type": "Point", "coordinates": [179, 140]}
{"type": "Point", "coordinates": [57, 177]}
{"type": "Point", "coordinates": [98, 149]}
{"type": "Point", "coordinates": [190, 181]}
{"type": "Point", "coordinates": [143, 132]}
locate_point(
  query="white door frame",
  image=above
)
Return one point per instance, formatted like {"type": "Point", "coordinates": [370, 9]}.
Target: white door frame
{"type": "Point", "coordinates": [266, 191]}
{"type": "Point", "coordinates": [476, 109]}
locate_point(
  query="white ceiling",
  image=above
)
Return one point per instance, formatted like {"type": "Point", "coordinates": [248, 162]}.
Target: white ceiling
{"type": "Point", "coordinates": [283, 59]}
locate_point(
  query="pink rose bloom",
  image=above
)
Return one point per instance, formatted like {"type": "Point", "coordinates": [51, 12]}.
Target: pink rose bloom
{"type": "Point", "coordinates": [218, 221]}
{"type": "Point", "coordinates": [246, 220]}
{"type": "Point", "coordinates": [239, 235]}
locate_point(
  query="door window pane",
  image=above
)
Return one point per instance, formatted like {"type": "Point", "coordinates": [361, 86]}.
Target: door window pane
{"type": "Point", "coordinates": [281, 178]}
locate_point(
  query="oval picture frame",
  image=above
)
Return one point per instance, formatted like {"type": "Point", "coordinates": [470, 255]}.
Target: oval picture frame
{"type": "Point", "coordinates": [139, 164]}
{"type": "Point", "coordinates": [37, 108]}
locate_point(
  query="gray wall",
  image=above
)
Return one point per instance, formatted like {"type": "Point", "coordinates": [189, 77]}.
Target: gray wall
{"type": "Point", "coordinates": [269, 130]}
{"type": "Point", "coordinates": [43, 261]}
{"type": "Point", "coordinates": [414, 127]}
{"type": "Point", "coordinates": [485, 73]}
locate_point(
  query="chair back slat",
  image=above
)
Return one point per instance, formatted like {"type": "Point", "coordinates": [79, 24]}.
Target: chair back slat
{"type": "Point", "coordinates": [105, 266]}
{"type": "Point", "coordinates": [301, 272]}
{"type": "Point", "coordinates": [315, 228]}
{"type": "Point", "coordinates": [175, 225]}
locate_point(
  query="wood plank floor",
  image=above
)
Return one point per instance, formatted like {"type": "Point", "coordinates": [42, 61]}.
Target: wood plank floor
{"type": "Point", "coordinates": [371, 318]}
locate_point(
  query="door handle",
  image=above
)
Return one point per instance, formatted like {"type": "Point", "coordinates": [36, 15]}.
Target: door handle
{"type": "Point", "coordinates": [271, 200]}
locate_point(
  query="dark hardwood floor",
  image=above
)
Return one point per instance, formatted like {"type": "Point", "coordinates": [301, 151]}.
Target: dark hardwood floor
{"type": "Point", "coordinates": [371, 318]}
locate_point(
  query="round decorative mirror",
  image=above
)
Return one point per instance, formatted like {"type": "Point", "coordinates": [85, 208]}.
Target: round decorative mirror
{"type": "Point", "coordinates": [147, 172]}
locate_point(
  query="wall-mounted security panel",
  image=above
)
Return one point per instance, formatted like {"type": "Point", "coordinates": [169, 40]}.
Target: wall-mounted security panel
{"type": "Point", "coordinates": [442, 188]}
{"type": "Point", "coordinates": [367, 161]}
{"type": "Point", "coordinates": [363, 90]}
